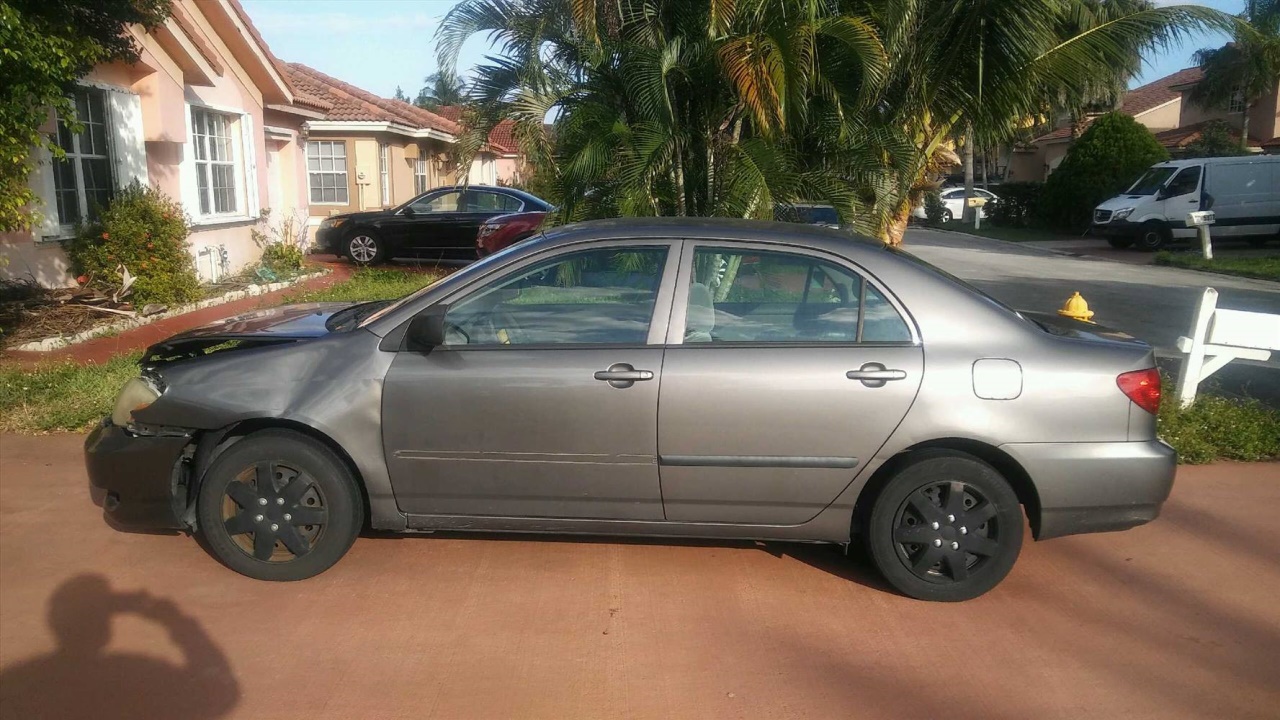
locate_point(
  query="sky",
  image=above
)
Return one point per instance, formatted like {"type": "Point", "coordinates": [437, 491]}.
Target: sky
{"type": "Point", "coordinates": [381, 44]}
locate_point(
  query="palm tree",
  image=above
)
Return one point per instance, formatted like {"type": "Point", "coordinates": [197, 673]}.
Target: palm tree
{"type": "Point", "coordinates": [442, 88]}
{"type": "Point", "coordinates": [726, 107]}
{"type": "Point", "coordinates": [1245, 69]}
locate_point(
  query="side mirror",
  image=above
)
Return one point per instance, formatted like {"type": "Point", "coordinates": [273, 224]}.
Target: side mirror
{"type": "Point", "coordinates": [426, 329]}
{"type": "Point", "coordinates": [409, 211]}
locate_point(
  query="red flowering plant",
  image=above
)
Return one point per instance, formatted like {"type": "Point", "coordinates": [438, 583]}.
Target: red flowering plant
{"type": "Point", "coordinates": [145, 231]}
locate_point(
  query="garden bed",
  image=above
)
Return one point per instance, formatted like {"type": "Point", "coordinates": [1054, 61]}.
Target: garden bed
{"type": "Point", "coordinates": [35, 319]}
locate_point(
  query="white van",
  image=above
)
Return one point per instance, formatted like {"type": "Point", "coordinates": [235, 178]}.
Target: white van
{"type": "Point", "coordinates": [1242, 192]}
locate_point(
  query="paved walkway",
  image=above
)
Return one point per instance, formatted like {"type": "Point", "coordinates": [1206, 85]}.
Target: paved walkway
{"type": "Point", "coordinates": [102, 349]}
{"type": "Point", "coordinates": [1176, 619]}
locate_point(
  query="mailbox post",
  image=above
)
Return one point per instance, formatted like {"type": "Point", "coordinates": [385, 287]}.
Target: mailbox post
{"type": "Point", "coordinates": [977, 202]}
{"type": "Point", "coordinates": [1201, 221]}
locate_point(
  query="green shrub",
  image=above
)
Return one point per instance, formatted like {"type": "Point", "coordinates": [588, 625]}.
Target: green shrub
{"type": "Point", "coordinates": [1019, 204]}
{"type": "Point", "coordinates": [1215, 141]}
{"type": "Point", "coordinates": [146, 232]}
{"type": "Point", "coordinates": [281, 244]}
{"type": "Point", "coordinates": [933, 207]}
{"type": "Point", "coordinates": [1102, 163]}
{"type": "Point", "coordinates": [279, 256]}
{"type": "Point", "coordinates": [1215, 427]}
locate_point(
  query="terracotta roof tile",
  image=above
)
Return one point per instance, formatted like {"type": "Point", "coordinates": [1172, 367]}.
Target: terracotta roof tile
{"type": "Point", "coordinates": [197, 38]}
{"type": "Point", "coordinates": [501, 138]}
{"type": "Point", "coordinates": [300, 97]}
{"type": "Point", "coordinates": [1181, 137]}
{"type": "Point", "coordinates": [1157, 93]}
{"type": "Point", "coordinates": [354, 104]}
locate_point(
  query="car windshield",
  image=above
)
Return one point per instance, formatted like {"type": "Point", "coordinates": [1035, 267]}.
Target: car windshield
{"type": "Point", "coordinates": [350, 317]}
{"type": "Point", "coordinates": [1152, 181]}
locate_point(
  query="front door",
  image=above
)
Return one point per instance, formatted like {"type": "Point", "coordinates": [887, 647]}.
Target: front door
{"type": "Point", "coordinates": [428, 225]}
{"type": "Point", "coordinates": [1182, 195]}
{"type": "Point", "coordinates": [785, 372]}
{"type": "Point", "coordinates": [543, 403]}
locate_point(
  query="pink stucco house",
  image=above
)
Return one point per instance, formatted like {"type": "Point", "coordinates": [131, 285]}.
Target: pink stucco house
{"type": "Point", "coordinates": [207, 115]}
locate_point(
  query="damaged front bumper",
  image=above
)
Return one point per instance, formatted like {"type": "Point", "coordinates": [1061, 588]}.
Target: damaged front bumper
{"type": "Point", "coordinates": [140, 480]}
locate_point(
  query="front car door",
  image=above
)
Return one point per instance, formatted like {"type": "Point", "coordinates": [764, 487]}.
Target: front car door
{"type": "Point", "coordinates": [427, 224]}
{"type": "Point", "coordinates": [785, 371]}
{"type": "Point", "coordinates": [543, 402]}
{"type": "Point", "coordinates": [1182, 196]}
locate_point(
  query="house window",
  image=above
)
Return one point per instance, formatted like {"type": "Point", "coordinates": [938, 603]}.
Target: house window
{"type": "Point", "coordinates": [1237, 102]}
{"type": "Point", "coordinates": [327, 171]}
{"type": "Point", "coordinates": [215, 161]}
{"type": "Point", "coordinates": [419, 176]}
{"type": "Point", "coordinates": [384, 166]}
{"type": "Point", "coordinates": [82, 179]}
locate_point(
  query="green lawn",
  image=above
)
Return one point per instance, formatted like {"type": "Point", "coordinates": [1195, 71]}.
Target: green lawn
{"type": "Point", "coordinates": [61, 396]}
{"type": "Point", "coordinates": [369, 284]}
{"type": "Point", "coordinates": [1266, 267]}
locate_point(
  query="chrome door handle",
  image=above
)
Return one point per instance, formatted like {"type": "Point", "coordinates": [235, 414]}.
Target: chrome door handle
{"type": "Point", "coordinates": [875, 374]}
{"type": "Point", "coordinates": [622, 375]}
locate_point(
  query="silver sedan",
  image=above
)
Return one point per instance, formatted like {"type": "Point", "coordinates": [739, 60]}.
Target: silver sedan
{"type": "Point", "coordinates": [677, 377]}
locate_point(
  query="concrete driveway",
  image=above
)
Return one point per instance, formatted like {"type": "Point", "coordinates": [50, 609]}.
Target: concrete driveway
{"type": "Point", "coordinates": [1149, 302]}
{"type": "Point", "coordinates": [1177, 619]}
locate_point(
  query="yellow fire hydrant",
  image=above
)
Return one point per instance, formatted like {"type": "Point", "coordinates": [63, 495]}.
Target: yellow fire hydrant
{"type": "Point", "coordinates": [1076, 308]}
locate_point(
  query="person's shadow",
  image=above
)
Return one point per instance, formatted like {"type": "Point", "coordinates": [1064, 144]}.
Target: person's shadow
{"type": "Point", "coordinates": [81, 680]}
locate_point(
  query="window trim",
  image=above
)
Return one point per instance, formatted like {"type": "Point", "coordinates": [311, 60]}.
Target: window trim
{"type": "Point", "coordinates": [658, 322]}
{"type": "Point", "coordinates": [1237, 102]}
{"type": "Point", "coordinates": [346, 172]}
{"type": "Point", "coordinates": [240, 190]}
{"type": "Point", "coordinates": [66, 230]}
{"type": "Point", "coordinates": [676, 324]}
{"type": "Point", "coordinates": [384, 172]}
{"type": "Point", "coordinates": [420, 179]}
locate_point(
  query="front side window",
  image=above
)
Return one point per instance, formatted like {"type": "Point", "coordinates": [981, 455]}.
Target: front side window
{"type": "Point", "coordinates": [327, 171]}
{"type": "Point", "coordinates": [444, 202]}
{"type": "Point", "coordinates": [82, 179]}
{"type": "Point", "coordinates": [1186, 181]}
{"type": "Point", "coordinates": [384, 172]}
{"type": "Point", "coordinates": [603, 296]}
{"type": "Point", "coordinates": [215, 161]}
{"type": "Point", "coordinates": [755, 297]}
{"type": "Point", "coordinates": [420, 175]}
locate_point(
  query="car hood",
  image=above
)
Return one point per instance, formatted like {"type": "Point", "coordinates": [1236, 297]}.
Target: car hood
{"type": "Point", "coordinates": [1120, 202]}
{"type": "Point", "coordinates": [288, 321]}
{"type": "Point", "coordinates": [365, 215]}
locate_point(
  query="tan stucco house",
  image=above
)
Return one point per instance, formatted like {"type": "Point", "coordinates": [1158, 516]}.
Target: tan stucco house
{"type": "Point", "coordinates": [207, 115]}
{"type": "Point", "coordinates": [1163, 108]}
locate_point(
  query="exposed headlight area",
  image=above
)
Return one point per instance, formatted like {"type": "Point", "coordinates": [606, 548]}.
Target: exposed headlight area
{"type": "Point", "coordinates": [1122, 213]}
{"type": "Point", "coordinates": [332, 222]}
{"type": "Point", "coordinates": [137, 394]}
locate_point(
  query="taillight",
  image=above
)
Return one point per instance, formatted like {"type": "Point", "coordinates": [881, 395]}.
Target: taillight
{"type": "Point", "coordinates": [1142, 387]}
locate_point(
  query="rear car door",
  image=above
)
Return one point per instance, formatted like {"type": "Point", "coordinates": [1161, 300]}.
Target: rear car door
{"type": "Point", "coordinates": [785, 372]}
{"type": "Point", "coordinates": [478, 206]}
{"type": "Point", "coordinates": [543, 403]}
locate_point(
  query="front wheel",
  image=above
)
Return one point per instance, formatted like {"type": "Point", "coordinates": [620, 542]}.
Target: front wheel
{"type": "Point", "coordinates": [946, 527]}
{"type": "Point", "coordinates": [1152, 236]}
{"type": "Point", "coordinates": [366, 249]}
{"type": "Point", "coordinates": [1120, 242]}
{"type": "Point", "coordinates": [278, 505]}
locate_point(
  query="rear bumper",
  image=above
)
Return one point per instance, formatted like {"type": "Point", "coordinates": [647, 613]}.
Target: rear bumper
{"type": "Point", "coordinates": [134, 477]}
{"type": "Point", "coordinates": [1096, 487]}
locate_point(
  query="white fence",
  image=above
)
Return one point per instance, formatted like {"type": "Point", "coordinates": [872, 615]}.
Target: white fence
{"type": "Point", "coordinates": [1219, 336]}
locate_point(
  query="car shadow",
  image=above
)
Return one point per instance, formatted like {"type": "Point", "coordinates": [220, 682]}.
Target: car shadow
{"type": "Point", "coordinates": [852, 565]}
{"type": "Point", "coordinates": [81, 678]}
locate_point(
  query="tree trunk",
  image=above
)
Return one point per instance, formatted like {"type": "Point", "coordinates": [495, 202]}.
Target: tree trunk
{"type": "Point", "coordinates": [968, 212]}
{"type": "Point", "coordinates": [986, 184]}
{"type": "Point", "coordinates": [1244, 126]}
{"type": "Point", "coordinates": [896, 230]}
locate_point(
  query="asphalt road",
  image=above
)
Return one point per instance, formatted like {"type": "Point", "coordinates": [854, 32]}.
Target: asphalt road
{"type": "Point", "coordinates": [1177, 619]}
{"type": "Point", "coordinates": [1149, 302]}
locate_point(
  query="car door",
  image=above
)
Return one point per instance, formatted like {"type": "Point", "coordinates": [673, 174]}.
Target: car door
{"type": "Point", "coordinates": [785, 372]}
{"type": "Point", "coordinates": [428, 223]}
{"type": "Point", "coordinates": [953, 201]}
{"type": "Point", "coordinates": [543, 402]}
{"type": "Point", "coordinates": [1182, 195]}
{"type": "Point", "coordinates": [478, 206]}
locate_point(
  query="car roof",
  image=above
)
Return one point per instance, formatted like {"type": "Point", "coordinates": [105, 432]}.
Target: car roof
{"type": "Point", "coordinates": [723, 229]}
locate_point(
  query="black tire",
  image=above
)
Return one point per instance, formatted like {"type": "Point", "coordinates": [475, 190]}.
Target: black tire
{"type": "Point", "coordinates": [947, 216]}
{"type": "Point", "coordinates": [230, 499]}
{"type": "Point", "coordinates": [1120, 242]}
{"type": "Point", "coordinates": [907, 508]}
{"type": "Point", "coordinates": [1152, 236]}
{"type": "Point", "coordinates": [365, 248]}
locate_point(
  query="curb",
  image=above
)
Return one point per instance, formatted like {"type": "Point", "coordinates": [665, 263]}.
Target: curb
{"type": "Point", "coordinates": [58, 342]}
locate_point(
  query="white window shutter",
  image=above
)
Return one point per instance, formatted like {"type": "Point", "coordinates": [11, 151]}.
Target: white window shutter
{"type": "Point", "coordinates": [252, 201]}
{"type": "Point", "coordinates": [129, 147]}
{"type": "Point", "coordinates": [42, 183]}
{"type": "Point", "coordinates": [187, 170]}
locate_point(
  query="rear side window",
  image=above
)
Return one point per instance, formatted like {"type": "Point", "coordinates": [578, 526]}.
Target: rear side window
{"type": "Point", "coordinates": [738, 296]}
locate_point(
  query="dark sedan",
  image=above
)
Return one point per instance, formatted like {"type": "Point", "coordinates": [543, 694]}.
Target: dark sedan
{"type": "Point", "coordinates": [440, 223]}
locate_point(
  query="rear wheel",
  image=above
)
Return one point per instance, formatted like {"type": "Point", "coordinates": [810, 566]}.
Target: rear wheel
{"type": "Point", "coordinates": [1152, 236]}
{"type": "Point", "coordinates": [946, 527]}
{"type": "Point", "coordinates": [278, 505]}
{"type": "Point", "coordinates": [947, 216]}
